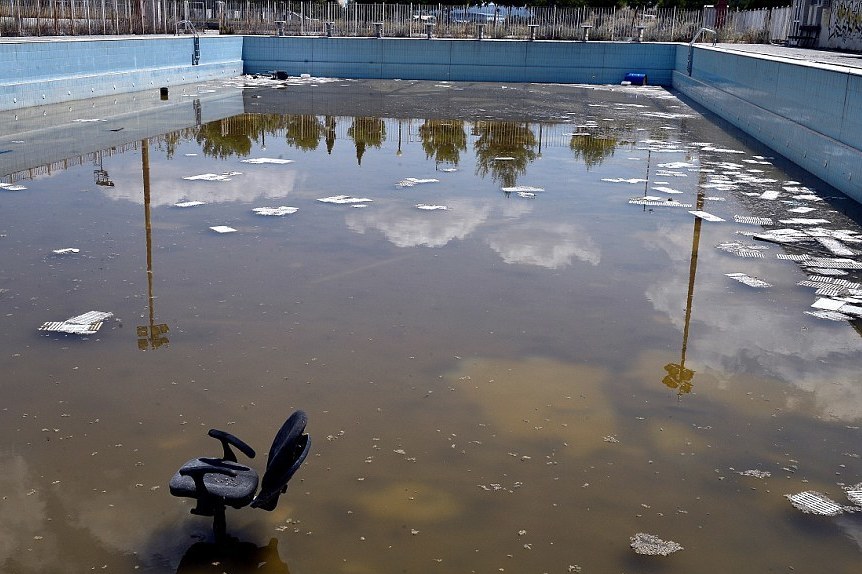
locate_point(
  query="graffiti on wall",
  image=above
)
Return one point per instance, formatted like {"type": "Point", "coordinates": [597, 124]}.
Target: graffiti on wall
{"type": "Point", "coordinates": [846, 22]}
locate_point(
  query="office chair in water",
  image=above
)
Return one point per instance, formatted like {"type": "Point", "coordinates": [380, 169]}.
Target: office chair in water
{"type": "Point", "coordinates": [216, 483]}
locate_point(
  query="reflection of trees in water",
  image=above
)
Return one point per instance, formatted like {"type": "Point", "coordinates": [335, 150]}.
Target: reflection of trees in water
{"type": "Point", "coordinates": [303, 132]}
{"type": "Point", "coordinates": [592, 149]}
{"type": "Point", "coordinates": [444, 140]}
{"type": "Point", "coordinates": [366, 131]}
{"type": "Point", "coordinates": [233, 136]}
{"type": "Point", "coordinates": [512, 140]}
{"type": "Point", "coordinates": [329, 124]}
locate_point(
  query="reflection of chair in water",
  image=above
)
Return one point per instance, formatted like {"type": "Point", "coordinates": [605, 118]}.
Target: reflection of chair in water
{"type": "Point", "coordinates": [232, 556]}
{"type": "Point", "coordinates": [219, 482]}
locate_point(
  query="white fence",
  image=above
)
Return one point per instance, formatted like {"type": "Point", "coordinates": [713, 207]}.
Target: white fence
{"type": "Point", "coordinates": [98, 17]}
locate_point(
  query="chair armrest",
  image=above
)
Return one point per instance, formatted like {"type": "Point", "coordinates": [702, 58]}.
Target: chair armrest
{"type": "Point", "coordinates": [227, 440]}
{"type": "Point", "coordinates": [197, 474]}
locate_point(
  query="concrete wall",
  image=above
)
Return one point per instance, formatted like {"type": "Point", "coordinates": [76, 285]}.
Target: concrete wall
{"type": "Point", "coordinates": [810, 114]}
{"type": "Point", "coordinates": [460, 60]}
{"type": "Point", "coordinates": [36, 72]}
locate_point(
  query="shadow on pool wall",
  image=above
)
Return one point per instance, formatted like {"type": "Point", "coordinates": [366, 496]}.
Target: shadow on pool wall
{"type": "Point", "coordinates": [805, 112]}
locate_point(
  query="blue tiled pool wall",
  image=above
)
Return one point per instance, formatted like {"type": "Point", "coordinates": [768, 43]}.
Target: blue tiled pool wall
{"type": "Point", "coordinates": [459, 60]}
{"type": "Point", "coordinates": [810, 115]}
{"type": "Point", "coordinates": [44, 72]}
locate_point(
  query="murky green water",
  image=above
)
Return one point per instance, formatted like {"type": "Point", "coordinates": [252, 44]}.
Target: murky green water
{"type": "Point", "coordinates": [520, 382]}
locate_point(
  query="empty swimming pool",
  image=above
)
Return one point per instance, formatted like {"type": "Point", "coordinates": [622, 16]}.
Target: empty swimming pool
{"type": "Point", "coordinates": [527, 322]}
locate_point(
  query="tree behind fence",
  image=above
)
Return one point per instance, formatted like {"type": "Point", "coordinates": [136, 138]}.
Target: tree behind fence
{"type": "Point", "coordinates": [112, 17]}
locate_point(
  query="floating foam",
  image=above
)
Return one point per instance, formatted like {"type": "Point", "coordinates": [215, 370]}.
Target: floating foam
{"type": "Point", "coordinates": [411, 181]}
{"type": "Point", "coordinates": [652, 545]}
{"type": "Point", "coordinates": [749, 280]}
{"type": "Point", "coordinates": [275, 211]}
{"type": "Point", "coordinates": [344, 199]}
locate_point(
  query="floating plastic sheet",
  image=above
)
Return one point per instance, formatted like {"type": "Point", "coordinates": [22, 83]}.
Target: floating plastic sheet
{"type": "Point", "coordinates": [86, 324]}
{"type": "Point", "coordinates": [823, 271]}
{"type": "Point", "coordinates": [344, 199]}
{"type": "Point", "coordinates": [749, 280]}
{"type": "Point", "coordinates": [828, 304]}
{"type": "Point", "coordinates": [854, 494]}
{"type": "Point", "coordinates": [523, 188]}
{"type": "Point", "coordinates": [213, 176]}
{"type": "Point", "coordinates": [706, 216]}
{"type": "Point", "coordinates": [427, 207]}
{"type": "Point", "coordinates": [782, 236]}
{"type": "Point", "coordinates": [189, 204]}
{"type": "Point", "coordinates": [829, 315]}
{"type": "Point", "coordinates": [812, 502]}
{"type": "Point", "coordinates": [223, 229]}
{"type": "Point", "coordinates": [752, 220]}
{"type": "Point", "coordinates": [12, 187]}
{"type": "Point", "coordinates": [652, 545]}
{"type": "Point", "coordinates": [265, 160]}
{"type": "Point", "coordinates": [411, 181]}
{"type": "Point", "coordinates": [623, 180]}
{"type": "Point", "coordinates": [275, 211]}
{"type": "Point", "coordinates": [769, 195]}
{"type": "Point", "coordinates": [790, 257]}
{"type": "Point", "coordinates": [802, 210]}
{"type": "Point", "coordinates": [66, 251]}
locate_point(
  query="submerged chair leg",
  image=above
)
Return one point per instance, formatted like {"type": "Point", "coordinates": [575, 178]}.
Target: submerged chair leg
{"type": "Point", "coordinates": [219, 525]}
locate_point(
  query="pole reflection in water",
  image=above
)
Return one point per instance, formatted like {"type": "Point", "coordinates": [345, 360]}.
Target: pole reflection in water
{"type": "Point", "coordinates": [150, 336]}
{"type": "Point", "coordinates": [678, 376]}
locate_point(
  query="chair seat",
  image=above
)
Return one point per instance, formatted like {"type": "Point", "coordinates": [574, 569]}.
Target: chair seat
{"type": "Point", "coordinates": [236, 491]}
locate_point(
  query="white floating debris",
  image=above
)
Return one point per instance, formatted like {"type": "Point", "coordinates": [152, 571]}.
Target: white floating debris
{"type": "Point", "coordinates": [411, 181]}
{"type": "Point", "coordinates": [657, 202]}
{"type": "Point", "coordinates": [449, 169]}
{"type": "Point", "coordinates": [812, 502]}
{"type": "Point", "coordinates": [623, 180]}
{"type": "Point", "coordinates": [722, 150]}
{"type": "Point", "coordinates": [829, 315]}
{"type": "Point", "coordinates": [275, 211]}
{"type": "Point", "coordinates": [344, 199]}
{"type": "Point", "coordinates": [832, 272]}
{"type": "Point", "coordinates": [213, 176]}
{"type": "Point", "coordinates": [752, 220]}
{"type": "Point", "coordinates": [828, 304]}
{"type": "Point", "coordinates": [66, 251]}
{"type": "Point", "coordinates": [662, 189]}
{"type": "Point", "coordinates": [86, 324]}
{"type": "Point", "coordinates": [770, 194]}
{"type": "Point", "coordinates": [789, 257]}
{"type": "Point", "coordinates": [504, 158]}
{"type": "Point", "coordinates": [755, 473]}
{"type": "Point", "coordinates": [652, 545]}
{"type": "Point", "coordinates": [705, 215]}
{"type": "Point", "coordinates": [835, 246]}
{"type": "Point", "coordinates": [678, 165]}
{"type": "Point", "coordinates": [272, 160]}
{"type": "Point", "coordinates": [223, 229]}
{"type": "Point", "coordinates": [833, 263]}
{"type": "Point", "coordinates": [803, 221]}
{"type": "Point", "coordinates": [89, 120]}
{"type": "Point", "coordinates": [748, 280]}
{"type": "Point", "coordinates": [523, 189]}
{"type": "Point", "coordinates": [742, 250]}
{"type": "Point", "coordinates": [854, 494]}
{"type": "Point", "coordinates": [782, 236]}
{"type": "Point", "coordinates": [189, 204]}
{"type": "Point", "coordinates": [526, 194]}
{"type": "Point", "coordinates": [801, 210]}
{"type": "Point", "coordinates": [427, 207]}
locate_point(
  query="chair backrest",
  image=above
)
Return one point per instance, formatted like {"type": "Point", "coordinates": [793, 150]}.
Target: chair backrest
{"type": "Point", "coordinates": [288, 451]}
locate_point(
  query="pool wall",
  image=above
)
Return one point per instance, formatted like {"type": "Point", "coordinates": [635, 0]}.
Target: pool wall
{"type": "Point", "coordinates": [807, 112]}
{"type": "Point", "coordinates": [46, 71]}
{"type": "Point", "coordinates": [810, 114]}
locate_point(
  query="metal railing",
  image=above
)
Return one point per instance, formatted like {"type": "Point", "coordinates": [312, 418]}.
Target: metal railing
{"type": "Point", "coordinates": [112, 17]}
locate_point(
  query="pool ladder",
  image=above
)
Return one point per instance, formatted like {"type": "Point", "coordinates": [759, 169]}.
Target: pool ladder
{"type": "Point", "coordinates": [693, 40]}
{"type": "Point", "coordinates": [196, 50]}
